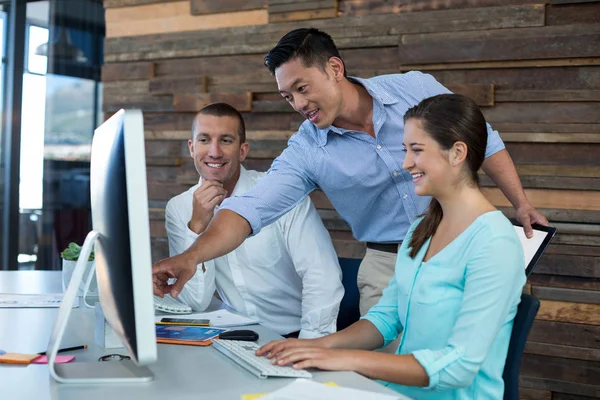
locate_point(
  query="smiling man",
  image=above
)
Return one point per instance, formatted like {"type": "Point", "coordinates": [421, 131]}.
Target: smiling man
{"type": "Point", "coordinates": [350, 147]}
{"type": "Point", "coordinates": [287, 276]}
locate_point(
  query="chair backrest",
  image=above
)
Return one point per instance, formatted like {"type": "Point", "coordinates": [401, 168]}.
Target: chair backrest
{"type": "Point", "coordinates": [349, 310]}
{"type": "Point", "coordinates": [526, 313]}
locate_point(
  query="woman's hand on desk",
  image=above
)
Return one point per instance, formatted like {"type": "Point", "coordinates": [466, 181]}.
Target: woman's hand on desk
{"type": "Point", "coordinates": [181, 267]}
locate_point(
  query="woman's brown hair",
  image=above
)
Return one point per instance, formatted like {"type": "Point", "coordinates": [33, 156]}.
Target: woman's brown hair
{"type": "Point", "coordinates": [447, 119]}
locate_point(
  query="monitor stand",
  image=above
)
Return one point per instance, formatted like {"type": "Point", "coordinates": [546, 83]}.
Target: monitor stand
{"type": "Point", "coordinates": [87, 372]}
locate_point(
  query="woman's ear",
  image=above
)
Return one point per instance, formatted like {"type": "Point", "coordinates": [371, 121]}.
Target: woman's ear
{"type": "Point", "coordinates": [458, 153]}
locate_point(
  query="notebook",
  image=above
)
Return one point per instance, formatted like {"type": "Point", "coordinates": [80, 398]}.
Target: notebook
{"type": "Point", "coordinates": [185, 334]}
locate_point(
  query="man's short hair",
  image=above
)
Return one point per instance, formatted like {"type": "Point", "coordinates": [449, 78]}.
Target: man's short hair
{"type": "Point", "coordinates": [224, 110]}
{"type": "Point", "coordinates": [310, 45]}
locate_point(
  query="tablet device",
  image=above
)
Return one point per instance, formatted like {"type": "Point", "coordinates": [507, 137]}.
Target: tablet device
{"type": "Point", "coordinates": [534, 248]}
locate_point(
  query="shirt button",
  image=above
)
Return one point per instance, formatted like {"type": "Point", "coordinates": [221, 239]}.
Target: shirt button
{"type": "Point", "coordinates": [378, 147]}
{"type": "Point", "coordinates": [395, 173]}
{"type": "Point", "coordinates": [405, 196]}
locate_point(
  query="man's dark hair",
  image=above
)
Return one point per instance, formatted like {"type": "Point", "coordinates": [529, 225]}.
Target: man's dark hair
{"type": "Point", "coordinates": [310, 45]}
{"type": "Point", "coordinates": [223, 110]}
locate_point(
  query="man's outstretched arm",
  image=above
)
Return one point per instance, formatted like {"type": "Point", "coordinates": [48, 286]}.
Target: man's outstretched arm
{"type": "Point", "coordinates": [225, 233]}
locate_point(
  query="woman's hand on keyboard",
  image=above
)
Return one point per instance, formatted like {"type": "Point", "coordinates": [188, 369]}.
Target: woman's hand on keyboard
{"type": "Point", "coordinates": [274, 347]}
{"type": "Point", "coordinates": [181, 267]}
{"type": "Point", "coordinates": [318, 357]}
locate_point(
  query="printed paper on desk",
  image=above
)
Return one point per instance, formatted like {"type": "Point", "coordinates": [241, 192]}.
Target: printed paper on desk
{"type": "Point", "coordinates": [13, 300]}
{"type": "Point", "coordinates": [310, 390]}
{"type": "Point", "coordinates": [219, 318]}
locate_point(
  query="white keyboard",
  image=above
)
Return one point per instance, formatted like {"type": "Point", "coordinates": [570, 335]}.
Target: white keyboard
{"type": "Point", "coordinates": [170, 305]}
{"type": "Point", "coordinates": [243, 353]}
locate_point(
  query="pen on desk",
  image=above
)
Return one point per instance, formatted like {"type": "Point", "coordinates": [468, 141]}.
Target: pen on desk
{"type": "Point", "coordinates": [67, 349]}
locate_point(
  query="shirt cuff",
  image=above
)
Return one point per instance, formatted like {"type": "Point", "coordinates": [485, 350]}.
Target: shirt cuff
{"type": "Point", "coordinates": [241, 207]}
{"type": "Point", "coordinates": [389, 334]}
{"type": "Point", "coordinates": [435, 361]}
{"type": "Point", "coordinates": [308, 334]}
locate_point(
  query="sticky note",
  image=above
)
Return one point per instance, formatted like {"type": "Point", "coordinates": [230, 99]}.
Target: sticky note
{"type": "Point", "coordinates": [255, 396]}
{"type": "Point", "coordinates": [17, 358]}
{"type": "Point", "coordinates": [59, 359]}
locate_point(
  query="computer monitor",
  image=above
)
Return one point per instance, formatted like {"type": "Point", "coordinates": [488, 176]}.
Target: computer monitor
{"type": "Point", "coordinates": [121, 235]}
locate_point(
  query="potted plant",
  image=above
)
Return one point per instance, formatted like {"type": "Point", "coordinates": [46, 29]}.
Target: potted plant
{"type": "Point", "coordinates": [70, 256]}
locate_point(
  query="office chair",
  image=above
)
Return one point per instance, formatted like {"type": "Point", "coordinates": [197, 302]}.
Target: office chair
{"type": "Point", "coordinates": [349, 310]}
{"type": "Point", "coordinates": [526, 313]}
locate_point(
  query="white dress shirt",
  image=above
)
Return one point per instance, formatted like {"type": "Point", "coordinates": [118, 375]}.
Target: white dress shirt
{"type": "Point", "coordinates": [287, 276]}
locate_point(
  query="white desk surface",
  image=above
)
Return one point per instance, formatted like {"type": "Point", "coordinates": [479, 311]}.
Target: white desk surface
{"type": "Point", "coordinates": [181, 372]}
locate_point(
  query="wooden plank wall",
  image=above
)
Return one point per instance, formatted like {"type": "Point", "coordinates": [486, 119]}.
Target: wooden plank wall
{"type": "Point", "coordinates": [532, 65]}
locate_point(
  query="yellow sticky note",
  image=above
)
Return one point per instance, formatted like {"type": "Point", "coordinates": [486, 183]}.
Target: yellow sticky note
{"type": "Point", "coordinates": [259, 395]}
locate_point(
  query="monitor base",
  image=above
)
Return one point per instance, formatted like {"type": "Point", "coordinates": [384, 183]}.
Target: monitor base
{"type": "Point", "coordinates": [125, 371]}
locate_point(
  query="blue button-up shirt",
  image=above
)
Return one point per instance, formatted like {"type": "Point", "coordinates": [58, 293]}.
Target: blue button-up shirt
{"type": "Point", "coordinates": [456, 310]}
{"type": "Point", "coordinates": [362, 176]}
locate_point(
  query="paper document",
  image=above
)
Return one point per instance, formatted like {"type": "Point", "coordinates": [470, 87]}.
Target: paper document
{"type": "Point", "coordinates": [13, 300]}
{"type": "Point", "coordinates": [309, 390]}
{"type": "Point", "coordinates": [219, 318]}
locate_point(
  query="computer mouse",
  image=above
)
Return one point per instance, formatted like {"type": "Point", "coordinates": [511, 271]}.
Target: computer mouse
{"type": "Point", "coordinates": [242, 334]}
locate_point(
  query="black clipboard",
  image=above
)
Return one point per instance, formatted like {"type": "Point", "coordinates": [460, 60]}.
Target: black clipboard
{"type": "Point", "coordinates": [534, 248]}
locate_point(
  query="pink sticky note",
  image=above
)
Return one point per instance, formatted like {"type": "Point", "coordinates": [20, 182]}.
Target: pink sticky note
{"type": "Point", "coordinates": [59, 359]}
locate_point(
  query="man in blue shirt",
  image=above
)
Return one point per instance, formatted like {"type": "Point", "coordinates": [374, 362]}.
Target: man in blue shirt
{"type": "Point", "coordinates": [350, 147]}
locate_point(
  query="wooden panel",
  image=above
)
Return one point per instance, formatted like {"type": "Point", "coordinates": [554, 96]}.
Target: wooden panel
{"type": "Point", "coordinates": [570, 295]}
{"type": "Point", "coordinates": [560, 386]}
{"type": "Point", "coordinates": [551, 182]}
{"type": "Point", "coordinates": [191, 102]}
{"type": "Point", "coordinates": [572, 1]}
{"type": "Point", "coordinates": [556, 264]}
{"type": "Point", "coordinates": [346, 246]}
{"type": "Point", "coordinates": [569, 282]}
{"type": "Point", "coordinates": [541, 127]}
{"type": "Point", "coordinates": [550, 137]}
{"type": "Point", "coordinates": [173, 17]}
{"type": "Point", "coordinates": [483, 95]}
{"type": "Point", "coordinates": [542, 198]}
{"type": "Point", "coordinates": [141, 101]}
{"type": "Point", "coordinates": [546, 113]}
{"type": "Point", "coordinates": [569, 14]}
{"type": "Point", "coordinates": [578, 313]}
{"type": "Point", "coordinates": [555, 153]}
{"type": "Point", "coordinates": [534, 394]}
{"type": "Point", "coordinates": [552, 214]}
{"type": "Point", "coordinates": [506, 80]}
{"type": "Point", "coordinates": [302, 15]}
{"type": "Point", "coordinates": [556, 350]}
{"type": "Point", "coordinates": [257, 121]}
{"type": "Point", "coordinates": [165, 190]}
{"type": "Point", "coordinates": [369, 7]}
{"type": "Point", "coordinates": [130, 71]}
{"type": "Point", "coordinates": [564, 396]}
{"type": "Point", "coordinates": [502, 44]}
{"type": "Point", "coordinates": [127, 3]}
{"type": "Point", "coordinates": [543, 63]}
{"type": "Point", "coordinates": [547, 95]}
{"type": "Point", "coordinates": [218, 6]}
{"type": "Point", "coordinates": [159, 248]}
{"type": "Point", "coordinates": [586, 372]}
{"type": "Point", "coordinates": [567, 334]}
{"type": "Point", "coordinates": [275, 6]}
{"type": "Point", "coordinates": [173, 85]}
{"type": "Point", "coordinates": [349, 33]}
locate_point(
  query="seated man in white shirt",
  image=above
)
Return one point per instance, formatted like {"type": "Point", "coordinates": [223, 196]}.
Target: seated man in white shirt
{"type": "Point", "coordinates": [287, 276]}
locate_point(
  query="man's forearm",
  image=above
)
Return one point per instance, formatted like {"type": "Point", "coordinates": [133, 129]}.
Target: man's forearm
{"type": "Point", "coordinates": [501, 169]}
{"type": "Point", "coordinates": [224, 234]}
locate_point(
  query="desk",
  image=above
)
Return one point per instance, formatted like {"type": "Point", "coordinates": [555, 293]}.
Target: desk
{"type": "Point", "coordinates": [181, 372]}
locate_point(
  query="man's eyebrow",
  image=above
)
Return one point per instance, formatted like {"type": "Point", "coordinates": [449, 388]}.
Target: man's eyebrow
{"type": "Point", "coordinates": [292, 85]}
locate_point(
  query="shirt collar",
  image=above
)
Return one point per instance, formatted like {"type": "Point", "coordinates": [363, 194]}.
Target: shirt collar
{"type": "Point", "coordinates": [242, 185]}
{"type": "Point", "coordinates": [377, 91]}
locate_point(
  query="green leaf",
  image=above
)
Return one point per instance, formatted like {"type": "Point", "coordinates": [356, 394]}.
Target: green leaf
{"type": "Point", "coordinates": [72, 252]}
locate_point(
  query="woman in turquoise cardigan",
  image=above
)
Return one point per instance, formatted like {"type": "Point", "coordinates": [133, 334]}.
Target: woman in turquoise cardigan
{"type": "Point", "coordinates": [458, 279]}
